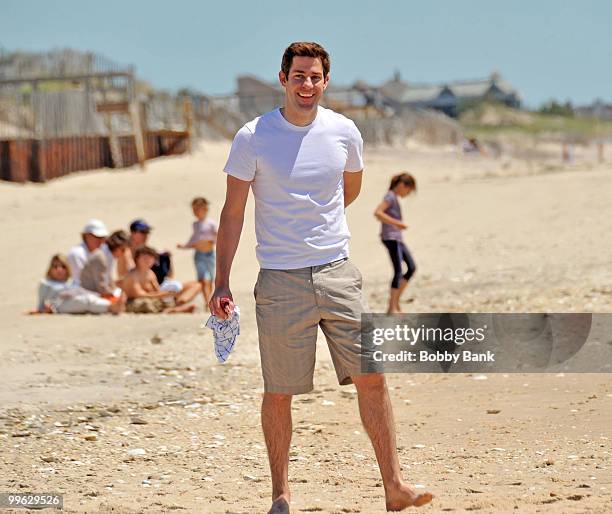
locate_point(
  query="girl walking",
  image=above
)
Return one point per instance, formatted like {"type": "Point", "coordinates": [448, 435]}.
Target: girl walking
{"type": "Point", "coordinates": [389, 213]}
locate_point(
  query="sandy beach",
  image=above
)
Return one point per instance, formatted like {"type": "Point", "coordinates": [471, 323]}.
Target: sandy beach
{"type": "Point", "coordinates": [133, 414]}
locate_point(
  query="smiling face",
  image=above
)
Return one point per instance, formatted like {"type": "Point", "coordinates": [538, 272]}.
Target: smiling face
{"type": "Point", "coordinates": [304, 86]}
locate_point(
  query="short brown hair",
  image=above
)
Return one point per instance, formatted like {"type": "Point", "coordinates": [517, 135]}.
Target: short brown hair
{"type": "Point", "coordinates": [117, 239]}
{"type": "Point", "coordinates": [305, 49]}
{"type": "Point", "coordinates": [144, 250]}
{"type": "Point", "coordinates": [199, 201]}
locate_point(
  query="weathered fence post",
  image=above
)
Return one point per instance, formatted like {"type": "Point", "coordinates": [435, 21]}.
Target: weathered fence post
{"type": "Point", "coordinates": [188, 116]}
{"type": "Point", "coordinates": [113, 142]}
{"type": "Point", "coordinates": [138, 135]}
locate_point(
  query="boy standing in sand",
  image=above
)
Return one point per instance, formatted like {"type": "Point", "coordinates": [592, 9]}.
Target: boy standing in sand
{"type": "Point", "coordinates": [304, 165]}
{"type": "Point", "coordinates": [142, 289]}
{"type": "Point", "coordinates": [203, 241]}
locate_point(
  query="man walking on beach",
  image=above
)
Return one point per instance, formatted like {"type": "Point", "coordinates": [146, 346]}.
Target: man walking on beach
{"type": "Point", "coordinates": [304, 165]}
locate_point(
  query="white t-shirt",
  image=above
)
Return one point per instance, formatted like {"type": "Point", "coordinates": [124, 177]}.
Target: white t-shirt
{"type": "Point", "coordinates": [297, 182]}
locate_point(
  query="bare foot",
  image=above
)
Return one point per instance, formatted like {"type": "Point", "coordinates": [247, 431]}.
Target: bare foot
{"type": "Point", "coordinates": [279, 506]}
{"type": "Point", "coordinates": [117, 307]}
{"type": "Point", "coordinates": [405, 497]}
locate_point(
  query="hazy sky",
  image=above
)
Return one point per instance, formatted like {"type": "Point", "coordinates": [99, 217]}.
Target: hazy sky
{"type": "Point", "coordinates": [546, 48]}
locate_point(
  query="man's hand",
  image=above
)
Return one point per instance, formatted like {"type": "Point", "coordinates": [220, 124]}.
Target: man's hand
{"type": "Point", "coordinates": [222, 303]}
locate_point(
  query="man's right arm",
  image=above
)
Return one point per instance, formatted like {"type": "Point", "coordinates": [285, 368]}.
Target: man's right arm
{"type": "Point", "coordinates": [228, 236]}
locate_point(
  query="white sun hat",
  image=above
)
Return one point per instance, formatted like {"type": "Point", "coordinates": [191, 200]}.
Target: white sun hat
{"type": "Point", "coordinates": [95, 227]}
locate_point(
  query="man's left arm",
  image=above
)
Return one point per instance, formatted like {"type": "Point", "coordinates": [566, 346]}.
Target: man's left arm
{"type": "Point", "coordinates": [352, 186]}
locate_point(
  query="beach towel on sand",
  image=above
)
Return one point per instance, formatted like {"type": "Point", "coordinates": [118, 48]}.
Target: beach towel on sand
{"type": "Point", "coordinates": [225, 332]}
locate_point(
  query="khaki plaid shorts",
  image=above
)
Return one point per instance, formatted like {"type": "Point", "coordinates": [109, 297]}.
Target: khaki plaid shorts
{"type": "Point", "coordinates": [291, 305]}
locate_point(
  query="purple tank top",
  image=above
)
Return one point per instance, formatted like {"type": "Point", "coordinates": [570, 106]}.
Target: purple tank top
{"type": "Point", "coordinates": [389, 232]}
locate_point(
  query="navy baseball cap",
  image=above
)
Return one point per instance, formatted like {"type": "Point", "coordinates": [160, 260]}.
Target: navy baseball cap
{"type": "Point", "coordinates": [140, 225]}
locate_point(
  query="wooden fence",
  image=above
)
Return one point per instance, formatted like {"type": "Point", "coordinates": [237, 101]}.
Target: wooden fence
{"type": "Point", "coordinates": [39, 160]}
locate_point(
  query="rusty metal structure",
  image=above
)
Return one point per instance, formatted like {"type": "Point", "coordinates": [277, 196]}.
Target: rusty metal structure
{"type": "Point", "coordinates": [66, 111]}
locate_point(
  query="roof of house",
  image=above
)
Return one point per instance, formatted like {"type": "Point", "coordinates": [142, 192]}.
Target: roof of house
{"type": "Point", "coordinates": [473, 88]}
{"type": "Point", "coordinates": [404, 92]}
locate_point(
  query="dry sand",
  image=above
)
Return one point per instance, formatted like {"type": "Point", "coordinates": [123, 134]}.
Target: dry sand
{"type": "Point", "coordinates": [133, 414]}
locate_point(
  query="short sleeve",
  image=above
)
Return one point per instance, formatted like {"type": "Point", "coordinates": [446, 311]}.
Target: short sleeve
{"type": "Point", "coordinates": [242, 161]}
{"type": "Point", "coordinates": [389, 197]}
{"type": "Point", "coordinates": [76, 260]}
{"type": "Point", "coordinates": [354, 160]}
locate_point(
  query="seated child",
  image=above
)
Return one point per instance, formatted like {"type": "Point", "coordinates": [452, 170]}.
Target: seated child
{"type": "Point", "coordinates": [142, 288]}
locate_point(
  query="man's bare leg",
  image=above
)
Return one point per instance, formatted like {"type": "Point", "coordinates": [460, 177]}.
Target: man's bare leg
{"type": "Point", "coordinates": [377, 418]}
{"type": "Point", "coordinates": [276, 424]}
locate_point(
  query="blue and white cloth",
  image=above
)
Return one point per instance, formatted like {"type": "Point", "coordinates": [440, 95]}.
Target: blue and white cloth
{"type": "Point", "coordinates": [225, 332]}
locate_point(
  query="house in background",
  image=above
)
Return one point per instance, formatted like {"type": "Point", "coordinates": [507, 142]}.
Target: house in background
{"type": "Point", "coordinates": [598, 109]}
{"type": "Point", "coordinates": [450, 97]}
{"type": "Point", "coordinates": [256, 96]}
